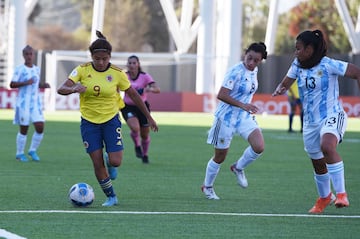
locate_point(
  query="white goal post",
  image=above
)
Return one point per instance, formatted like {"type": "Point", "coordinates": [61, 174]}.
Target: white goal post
{"type": "Point", "coordinates": [172, 71]}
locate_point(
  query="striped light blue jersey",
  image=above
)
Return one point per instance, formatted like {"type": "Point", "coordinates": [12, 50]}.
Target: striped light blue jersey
{"type": "Point", "coordinates": [28, 99]}
{"type": "Point", "coordinates": [242, 84]}
{"type": "Point", "coordinates": [319, 88]}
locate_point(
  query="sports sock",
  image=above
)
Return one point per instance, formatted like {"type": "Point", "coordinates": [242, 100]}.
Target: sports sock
{"type": "Point", "coordinates": [135, 137]}
{"type": "Point", "coordinates": [322, 182]}
{"type": "Point", "coordinates": [336, 172]}
{"type": "Point", "coordinates": [35, 141]}
{"type": "Point", "coordinates": [106, 186]}
{"type": "Point", "coordinates": [145, 143]}
{"type": "Point", "coordinates": [212, 170]}
{"type": "Point", "coordinates": [20, 143]}
{"type": "Point", "coordinates": [248, 157]}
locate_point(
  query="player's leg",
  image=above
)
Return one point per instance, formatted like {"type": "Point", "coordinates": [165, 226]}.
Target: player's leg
{"type": "Point", "coordinates": [114, 145]}
{"type": "Point", "coordinates": [144, 134]}
{"type": "Point", "coordinates": [331, 135]}
{"type": "Point", "coordinates": [93, 142]}
{"type": "Point", "coordinates": [301, 114]}
{"type": "Point", "coordinates": [213, 166]}
{"type": "Point", "coordinates": [311, 137]}
{"type": "Point", "coordinates": [134, 126]}
{"type": "Point", "coordinates": [103, 177]}
{"type": "Point", "coordinates": [220, 137]}
{"type": "Point", "coordinates": [37, 117]}
{"type": "Point", "coordinates": [211, 172]}
{"type": "Point", "coordinates": [22, 118]}
{"type": "Point", "coordinates": [145, 142]}
{"type": "Point", "coordinates": [36, 140]}
{"type": "Point", "coordinates": [251, 132]}
{"type": "Point", "coordinates": [21, 139]}
{"type": "Point", "coordinates": [322, 181]}
{"type": "Point", "coordinates": [292, 113]}
{"type": "Point", "coordinates": [250, 154]}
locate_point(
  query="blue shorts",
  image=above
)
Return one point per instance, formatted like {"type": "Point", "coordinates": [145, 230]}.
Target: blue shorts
{"type": "Point", "coordinates": [96, 135]}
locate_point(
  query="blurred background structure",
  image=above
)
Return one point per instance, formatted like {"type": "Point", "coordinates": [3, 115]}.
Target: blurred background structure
{"type": "Point", "coordinates": [187, 45]}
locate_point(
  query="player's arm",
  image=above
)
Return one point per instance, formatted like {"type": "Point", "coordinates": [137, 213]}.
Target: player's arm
{"type": "Point", "coordinates": [224, 95]}
{"type": "Point", "coordinates": [153, 88]}
{"type": "Point", "coordinates": [283, 86]}
{"type": "Point", "coordinates": [18, 84]}
{"type": "Point", "coordinates": [352, 71]}
{"type": "Point", "coordinates": [134, 95]}
{"type": "Point", "coordinates": [69, 87]}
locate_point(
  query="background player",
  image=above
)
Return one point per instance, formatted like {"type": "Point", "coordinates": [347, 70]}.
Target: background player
{"type": "Point", "coordinates": [135, 119]}
{"type": "Point", "coordinates": [295, 102]}
{"type": "Point", "coordinates": [29, 106]}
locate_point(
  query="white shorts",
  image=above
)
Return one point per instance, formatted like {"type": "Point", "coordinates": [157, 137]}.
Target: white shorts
{"type": "Point", "coordinates": [334, 124]}
{"type": "Point", "coordinates": [25, 116]}
{"type": "Point", "coordinates": [220, 135]}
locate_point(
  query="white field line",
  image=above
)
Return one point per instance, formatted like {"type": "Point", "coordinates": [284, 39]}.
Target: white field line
{"type": "Point", "coordinates": [179, 213]}
{"type": "Point", "coordinates": [299, 137]}
{"type": "Point", "coordinates": [9, 235]}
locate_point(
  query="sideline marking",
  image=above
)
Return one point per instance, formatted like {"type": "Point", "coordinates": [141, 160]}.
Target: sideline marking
{"type": "Point", "coordinates": [185, 213]}
{"type": "Point", "coordinates": [298, 136]}
{"type": "Point", "coordinates": [9, 235]}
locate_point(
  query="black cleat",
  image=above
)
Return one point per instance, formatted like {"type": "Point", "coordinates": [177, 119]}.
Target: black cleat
{"type": "Point", "coordinates": [145, 159]}
{"type": "Point", "coordinates": [138, 152]}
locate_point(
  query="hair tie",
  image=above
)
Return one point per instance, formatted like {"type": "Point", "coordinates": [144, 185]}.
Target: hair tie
{"type": "Point", "coordinates": [101, 49]}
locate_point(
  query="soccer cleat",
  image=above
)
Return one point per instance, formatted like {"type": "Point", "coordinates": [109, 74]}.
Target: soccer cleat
{"type": "Point", "coordinates": [110, 201]}
{"type": "Point", "coordinates": [322, 203]}
{"type": "Point", "coordinates": [209, 192]}
{"type": "Point", "coordinates": [34, 156]}
{"type": "Point", "coordinates": [145, 159]}
{"type": "Point", "coordinates": [240, 174]}
{"type": "Point", "coordinates": [21, 158]}
{"type": "Point", "coordinates": [112, 171]}
{"type": "Point", "coordinates": [138, 152]}
{"type": "Point", "coordinates": [341, 200]}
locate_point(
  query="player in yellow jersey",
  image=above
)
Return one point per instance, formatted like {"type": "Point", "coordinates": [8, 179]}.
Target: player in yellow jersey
{"type": "Point", "coordinates": [99, 84]}
{"type": "Point", "coordinates": [294, 100]}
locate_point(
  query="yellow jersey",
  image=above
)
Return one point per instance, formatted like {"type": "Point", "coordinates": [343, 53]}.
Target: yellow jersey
{"type": "Point", "coordinates": [294, 91]}
{"type": "Point", "coordinates": [101, 100]}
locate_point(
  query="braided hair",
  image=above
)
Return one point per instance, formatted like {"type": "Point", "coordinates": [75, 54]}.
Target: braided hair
{"type": "Point", "coordinates": [100, 44]}
{"type": "Point", "coordinates": [316, 40]}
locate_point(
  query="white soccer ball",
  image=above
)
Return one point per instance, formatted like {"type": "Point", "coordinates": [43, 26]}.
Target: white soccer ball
{"type": "Point", "coordinates": [81, 195]}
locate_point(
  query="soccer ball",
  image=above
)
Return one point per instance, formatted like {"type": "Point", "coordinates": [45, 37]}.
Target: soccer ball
{"type": "Point", "coordinates": [81, 195]}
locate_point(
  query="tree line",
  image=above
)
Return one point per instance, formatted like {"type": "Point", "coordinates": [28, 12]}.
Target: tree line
{"type": "Point", "coordinates": [140, 25]}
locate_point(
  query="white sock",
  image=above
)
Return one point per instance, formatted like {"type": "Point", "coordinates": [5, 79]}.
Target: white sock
{"type": "Point", "coordinates": [35, 141]}
{"type": "Point", "coordinates": [248, 157]}
{"type": "Point", "coordinates": [322, 182]}
{"type": "Point", "coordinates": [336, 172]}
{"type": "Point", "coordinates": [212, 170]}
{"type": "Point", "coordinates": [20, 143]}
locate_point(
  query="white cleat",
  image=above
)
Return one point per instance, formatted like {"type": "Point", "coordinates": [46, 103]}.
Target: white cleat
{"type": "Point", "coordinates": [209, 192]}
{"type": "Point", "coordinates": [240, 175]}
